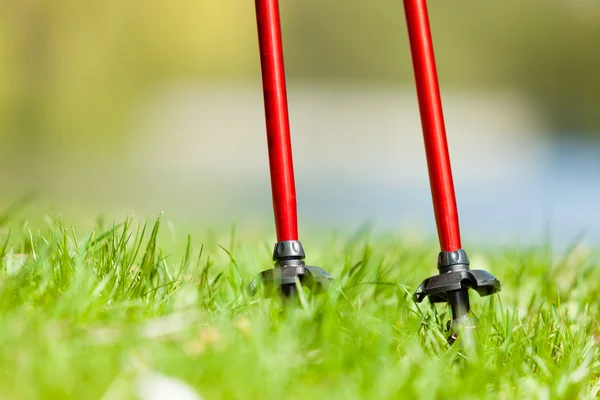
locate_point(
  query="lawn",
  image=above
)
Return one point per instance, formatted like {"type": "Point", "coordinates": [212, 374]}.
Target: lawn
{"type": "Point", "coordinates": [91, 314]}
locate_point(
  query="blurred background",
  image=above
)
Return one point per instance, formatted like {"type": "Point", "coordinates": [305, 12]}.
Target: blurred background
{"type": "Point", "coordinates": [119, 107]}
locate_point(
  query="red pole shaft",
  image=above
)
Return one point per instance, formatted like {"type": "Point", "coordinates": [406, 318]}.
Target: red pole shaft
{"type": "Point", "coordinates": [277, 121]}
{"type": "Point", "coordinates": [432, 120]}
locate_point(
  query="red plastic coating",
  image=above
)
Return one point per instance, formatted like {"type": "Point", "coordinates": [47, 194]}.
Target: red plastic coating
{"type": "Point", "coordinates": [432, 120]}
{"type": "Point", "coordinates": [277, 121]}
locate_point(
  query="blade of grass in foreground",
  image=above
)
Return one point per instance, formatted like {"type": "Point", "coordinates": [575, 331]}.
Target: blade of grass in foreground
{"type": "Point", "coordinates": [84, 316]}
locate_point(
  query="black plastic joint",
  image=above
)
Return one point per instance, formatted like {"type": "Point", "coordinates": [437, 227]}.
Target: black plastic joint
{"type": "Point", "coordinates": [288, 250]}
{"type": "Point", "coordinates": [449, 261]}
{"type": "Point", "coordinates": [288, 256]}
{"type": "Point", "coordinates": [455, 274]}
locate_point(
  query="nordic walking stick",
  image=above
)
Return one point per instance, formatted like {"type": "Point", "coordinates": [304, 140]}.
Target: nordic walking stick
{"type": "Point", "coordinates": [455, 278]}
{"type": "Point", "coordinates": [288, 253]}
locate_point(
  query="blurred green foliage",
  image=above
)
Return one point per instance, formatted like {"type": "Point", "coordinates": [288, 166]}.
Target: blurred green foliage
{"type": "Point", "coordinates": [547, 49]}
{"type": "Point", "coordinates": [72, 72]}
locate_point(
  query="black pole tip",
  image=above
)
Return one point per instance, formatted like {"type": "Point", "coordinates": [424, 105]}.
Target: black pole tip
{"type": "Point", "coordinates": [289, 267]}
{"type": "Point", "coordinates": [452, 286]}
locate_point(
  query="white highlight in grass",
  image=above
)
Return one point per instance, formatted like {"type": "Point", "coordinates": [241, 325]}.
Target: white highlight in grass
{"type": "Point", "coordinates": [155, 386]}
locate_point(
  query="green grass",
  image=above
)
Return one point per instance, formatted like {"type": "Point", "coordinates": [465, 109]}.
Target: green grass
{"type": "Point", "coordinates": [83, 314]}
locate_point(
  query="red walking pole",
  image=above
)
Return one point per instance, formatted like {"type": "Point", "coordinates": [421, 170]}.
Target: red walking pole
{"type": "Point", "coordinates": [455, 278]}
{"type": "Point", "coordinates": [276, 116]}
{"type": "Point", "coordinates": [434, 132]}
{"type": "Point", "coordinates": [288, 253]}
